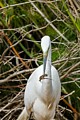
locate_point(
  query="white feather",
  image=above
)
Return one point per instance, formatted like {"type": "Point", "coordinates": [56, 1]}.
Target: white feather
{"type": "Point", "coordinates": [42, 95]}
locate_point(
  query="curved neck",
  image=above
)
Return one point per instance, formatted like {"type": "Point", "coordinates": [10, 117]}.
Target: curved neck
{"type": "Point", "coordinates": [46, 88]}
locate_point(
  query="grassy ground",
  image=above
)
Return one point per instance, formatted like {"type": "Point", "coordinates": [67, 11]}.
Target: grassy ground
{"type": "Point", "coordinates": [22, 25]}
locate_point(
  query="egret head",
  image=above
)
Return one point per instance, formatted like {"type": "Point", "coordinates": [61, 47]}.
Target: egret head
{"type": "Point", "coordinates": [45, 44]}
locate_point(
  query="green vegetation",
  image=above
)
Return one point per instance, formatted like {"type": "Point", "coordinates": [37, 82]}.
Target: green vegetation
{"type": "Point", "coordinates": [22, 25]}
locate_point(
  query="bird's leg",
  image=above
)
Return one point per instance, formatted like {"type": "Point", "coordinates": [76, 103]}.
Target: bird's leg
{"type": "Point", "coordinates": [30, 116]}
{"type": "Point", "coordinates": [24, 115]}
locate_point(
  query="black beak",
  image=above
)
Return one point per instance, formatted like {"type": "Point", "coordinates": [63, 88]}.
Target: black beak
{"type": "Point", "coordinates": [44, 63]}
{"type": "Point", "coordinates": [44, 67]}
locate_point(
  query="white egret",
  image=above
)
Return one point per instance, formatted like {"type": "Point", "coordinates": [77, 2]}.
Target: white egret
{"type": "Point", "coordinates": [43, 90]}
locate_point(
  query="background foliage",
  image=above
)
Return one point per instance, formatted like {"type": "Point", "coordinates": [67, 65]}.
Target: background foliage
{"type": "Point", "coordinates": [22, 24]}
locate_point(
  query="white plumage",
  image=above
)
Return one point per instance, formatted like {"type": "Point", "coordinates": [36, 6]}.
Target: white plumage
{"type": "Point", "coordinates": [43, 90]}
